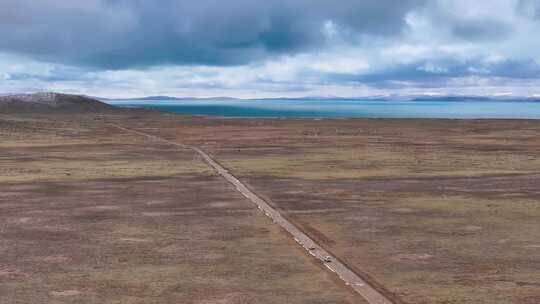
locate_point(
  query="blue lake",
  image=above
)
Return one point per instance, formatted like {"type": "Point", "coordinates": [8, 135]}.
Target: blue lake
{"type": "Point", "coordinates": [306, 108]}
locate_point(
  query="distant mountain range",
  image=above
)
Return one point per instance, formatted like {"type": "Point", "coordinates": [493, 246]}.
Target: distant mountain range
{"type": "Point", "coordinates": [322, 98]}
{"type": "Point", "coordinates": [167, 98]}
{"type": "Point", "coordinates": [367, 98]}
{"type": "Point", "coordinates": [474, 98]}
{"type": "Point", "coordinates": [65, 103]}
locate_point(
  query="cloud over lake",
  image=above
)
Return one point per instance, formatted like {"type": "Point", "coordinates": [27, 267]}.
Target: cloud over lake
{"type": "Point", "coordinates": [258, 47]}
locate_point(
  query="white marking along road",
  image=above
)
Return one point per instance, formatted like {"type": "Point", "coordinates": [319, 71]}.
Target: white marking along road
{"type": "Point", "coordinates": [368, 292]}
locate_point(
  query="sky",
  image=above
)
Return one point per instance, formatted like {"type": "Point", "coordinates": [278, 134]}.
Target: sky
{"type": "Point", "coordinates": [270, 48]}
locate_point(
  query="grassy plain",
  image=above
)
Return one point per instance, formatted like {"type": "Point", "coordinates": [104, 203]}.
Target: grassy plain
{"type": "Point", "coordinates": [91, 214]}
{"type": "Point", "coordinates": [432, 211]}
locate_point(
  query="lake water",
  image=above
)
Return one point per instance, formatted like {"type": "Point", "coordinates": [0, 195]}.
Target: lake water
{"type": "Point", "coordinates": [307, 108]}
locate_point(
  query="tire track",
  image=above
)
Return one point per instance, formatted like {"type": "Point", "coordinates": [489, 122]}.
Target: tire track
{"type": "Point", "coordinates": [332, 263]}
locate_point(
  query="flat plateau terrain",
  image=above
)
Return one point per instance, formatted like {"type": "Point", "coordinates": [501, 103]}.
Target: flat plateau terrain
{"type": "Point", "coordinates": [428, 211]}
{"type": "Point", "coordinates": [91, 214]}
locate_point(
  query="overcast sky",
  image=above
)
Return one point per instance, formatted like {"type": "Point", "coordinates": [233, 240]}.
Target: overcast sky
{"type": "Point", "coordinates": [270, 48]}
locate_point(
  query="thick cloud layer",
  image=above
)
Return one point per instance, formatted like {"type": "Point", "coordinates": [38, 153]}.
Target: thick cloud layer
{"type": "Point", "coordinates": [133, 33]}
{"type": "Point", "coordinates": [440, 73]}
{"type": "Point", "coordinates": [270, 48]}
{"type": "Point", "coordinates": [530, 8]}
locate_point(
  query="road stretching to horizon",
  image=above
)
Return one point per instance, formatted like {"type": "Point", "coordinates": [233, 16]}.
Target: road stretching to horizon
{"type": "Point", "coordinates": [352, 279]}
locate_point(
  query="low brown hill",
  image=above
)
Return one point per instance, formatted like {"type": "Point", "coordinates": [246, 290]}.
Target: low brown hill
{"type": "Point", "coordinates": [51, 103]}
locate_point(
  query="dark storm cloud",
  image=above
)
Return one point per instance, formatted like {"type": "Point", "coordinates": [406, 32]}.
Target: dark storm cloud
{"type": "Point", "coordinates": [478, 30]}
{"type": "Point", "coordinates": [137, 33]}
{"type": "Point", "coordinates": [438, 73]}
{"type": "Point", "coordinates": [529, 8]}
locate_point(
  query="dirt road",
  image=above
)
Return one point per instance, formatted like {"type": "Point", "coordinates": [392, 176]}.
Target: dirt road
{"type": "Point", "coordinates": [350, 278]}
